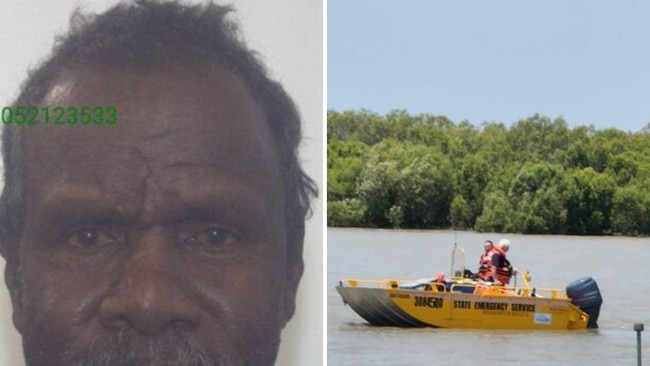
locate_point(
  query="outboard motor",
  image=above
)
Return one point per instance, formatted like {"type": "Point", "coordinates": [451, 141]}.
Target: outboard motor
{"type": "Point", "coordinates": [584, 294]}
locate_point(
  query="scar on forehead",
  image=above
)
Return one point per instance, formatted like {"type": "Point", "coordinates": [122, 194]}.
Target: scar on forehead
{"type": "Point", "coordinates": [61, 90]}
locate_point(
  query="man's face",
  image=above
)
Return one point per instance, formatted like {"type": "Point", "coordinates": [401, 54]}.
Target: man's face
{"type": "Point", "coordinates": [159, 240]}
{"type": "Point", "coordinates": [487, 246]}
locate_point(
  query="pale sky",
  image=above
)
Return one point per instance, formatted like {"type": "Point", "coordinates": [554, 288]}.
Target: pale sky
{"type": "Point", "coordinates": [585, 60]}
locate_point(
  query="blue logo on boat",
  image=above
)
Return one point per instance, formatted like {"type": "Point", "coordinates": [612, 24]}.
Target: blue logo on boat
{"type": "Point", "coordinates": [543, 318]}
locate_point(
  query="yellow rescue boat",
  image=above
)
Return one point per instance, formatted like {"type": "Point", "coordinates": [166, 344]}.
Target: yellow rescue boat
{"type": "Point", "coordinates": [461, 302]}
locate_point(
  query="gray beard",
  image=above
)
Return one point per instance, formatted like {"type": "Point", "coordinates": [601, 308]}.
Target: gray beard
{"type": "Point", "coordinates": [174, 348]}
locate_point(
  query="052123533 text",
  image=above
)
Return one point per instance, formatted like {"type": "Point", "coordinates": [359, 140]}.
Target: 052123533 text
{"type": "Point", "coordinates": [59, 115]}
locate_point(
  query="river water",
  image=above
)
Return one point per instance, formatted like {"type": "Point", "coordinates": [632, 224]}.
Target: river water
{"type": "Point", "coordinates": [620, 265]}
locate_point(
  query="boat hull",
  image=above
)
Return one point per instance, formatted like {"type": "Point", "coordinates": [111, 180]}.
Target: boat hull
{"type": "Point", "coordinates": [493, 308]}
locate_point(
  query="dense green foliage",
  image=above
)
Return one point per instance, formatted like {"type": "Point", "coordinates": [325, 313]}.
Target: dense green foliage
{"type": "Point", "coordinates": [538, 176]}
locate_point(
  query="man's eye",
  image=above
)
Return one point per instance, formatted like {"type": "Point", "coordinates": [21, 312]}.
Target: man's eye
{"type": "Point", "coordinates": [90, 238]}
{"type": "Point", "coordinates": [213, 237]}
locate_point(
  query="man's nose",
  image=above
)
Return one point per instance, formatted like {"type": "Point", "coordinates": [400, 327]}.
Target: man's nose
{"type": "Point", "coordinates": [148, 293]}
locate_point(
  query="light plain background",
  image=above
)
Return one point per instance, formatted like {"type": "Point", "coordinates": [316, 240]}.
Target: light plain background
{"type": "Point", "coordinates": [289, 36]}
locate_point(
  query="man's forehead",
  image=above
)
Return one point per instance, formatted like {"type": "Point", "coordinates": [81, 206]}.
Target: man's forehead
{"type": "Point", "coordinates": [164, 118]}
{"type": "Point", "coordinates": [176, 106]}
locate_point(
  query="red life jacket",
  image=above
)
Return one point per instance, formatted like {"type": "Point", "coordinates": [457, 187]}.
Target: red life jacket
{"type": "Point", "coordinates": [485, 263]}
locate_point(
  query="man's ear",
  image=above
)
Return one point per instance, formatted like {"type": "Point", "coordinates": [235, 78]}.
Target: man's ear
{"type": "Point", "coordinates": [14, 284]}
{"type": "Point", "coordinates": [292, 274]}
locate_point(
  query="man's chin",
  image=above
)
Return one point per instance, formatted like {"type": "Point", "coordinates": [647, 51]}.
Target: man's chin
{"type": "Point", "coordinates": [128, 349]}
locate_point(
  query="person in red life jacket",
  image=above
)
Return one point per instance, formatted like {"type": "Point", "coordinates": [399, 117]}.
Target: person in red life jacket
{"type": "Point", "coordinates": [501, 269]}
{"type": "Point", "coordinates": [485, 271]}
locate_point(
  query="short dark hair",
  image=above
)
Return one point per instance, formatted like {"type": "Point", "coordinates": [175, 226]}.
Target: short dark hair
{"type": "Point", "coordinates": [146, 34]}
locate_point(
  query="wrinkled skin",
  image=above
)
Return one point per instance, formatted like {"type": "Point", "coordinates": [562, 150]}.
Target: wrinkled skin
{"type": "Point", "coordinates": [160, 240]}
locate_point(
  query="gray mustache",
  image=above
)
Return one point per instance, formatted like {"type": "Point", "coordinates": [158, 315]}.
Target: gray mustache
{"type": "Point", "coordinates": [172, 349]}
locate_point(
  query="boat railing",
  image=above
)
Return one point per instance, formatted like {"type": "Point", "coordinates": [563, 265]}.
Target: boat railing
{"type": "Point", "coordinates": [393, 283]}
{"type": "Point", "coordinates": [524, 275]}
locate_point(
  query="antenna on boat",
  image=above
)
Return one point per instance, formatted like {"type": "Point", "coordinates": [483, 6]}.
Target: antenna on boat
{"type": "Point", "coordinates": [460, 251]}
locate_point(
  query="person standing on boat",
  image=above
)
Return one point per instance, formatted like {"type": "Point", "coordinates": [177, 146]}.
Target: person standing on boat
{"type": "Point", "coordinates": [485, 269]}
{"type": "Point", "coordinates": [501, 269]}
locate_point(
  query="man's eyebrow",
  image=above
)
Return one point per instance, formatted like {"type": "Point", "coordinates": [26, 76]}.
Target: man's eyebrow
{"type": "Point", "coordinates": [225, 189]}
{"type": "Point", "coordinates": [227, 201]}
{"type": "Point", "coordinates": [81, 202]}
